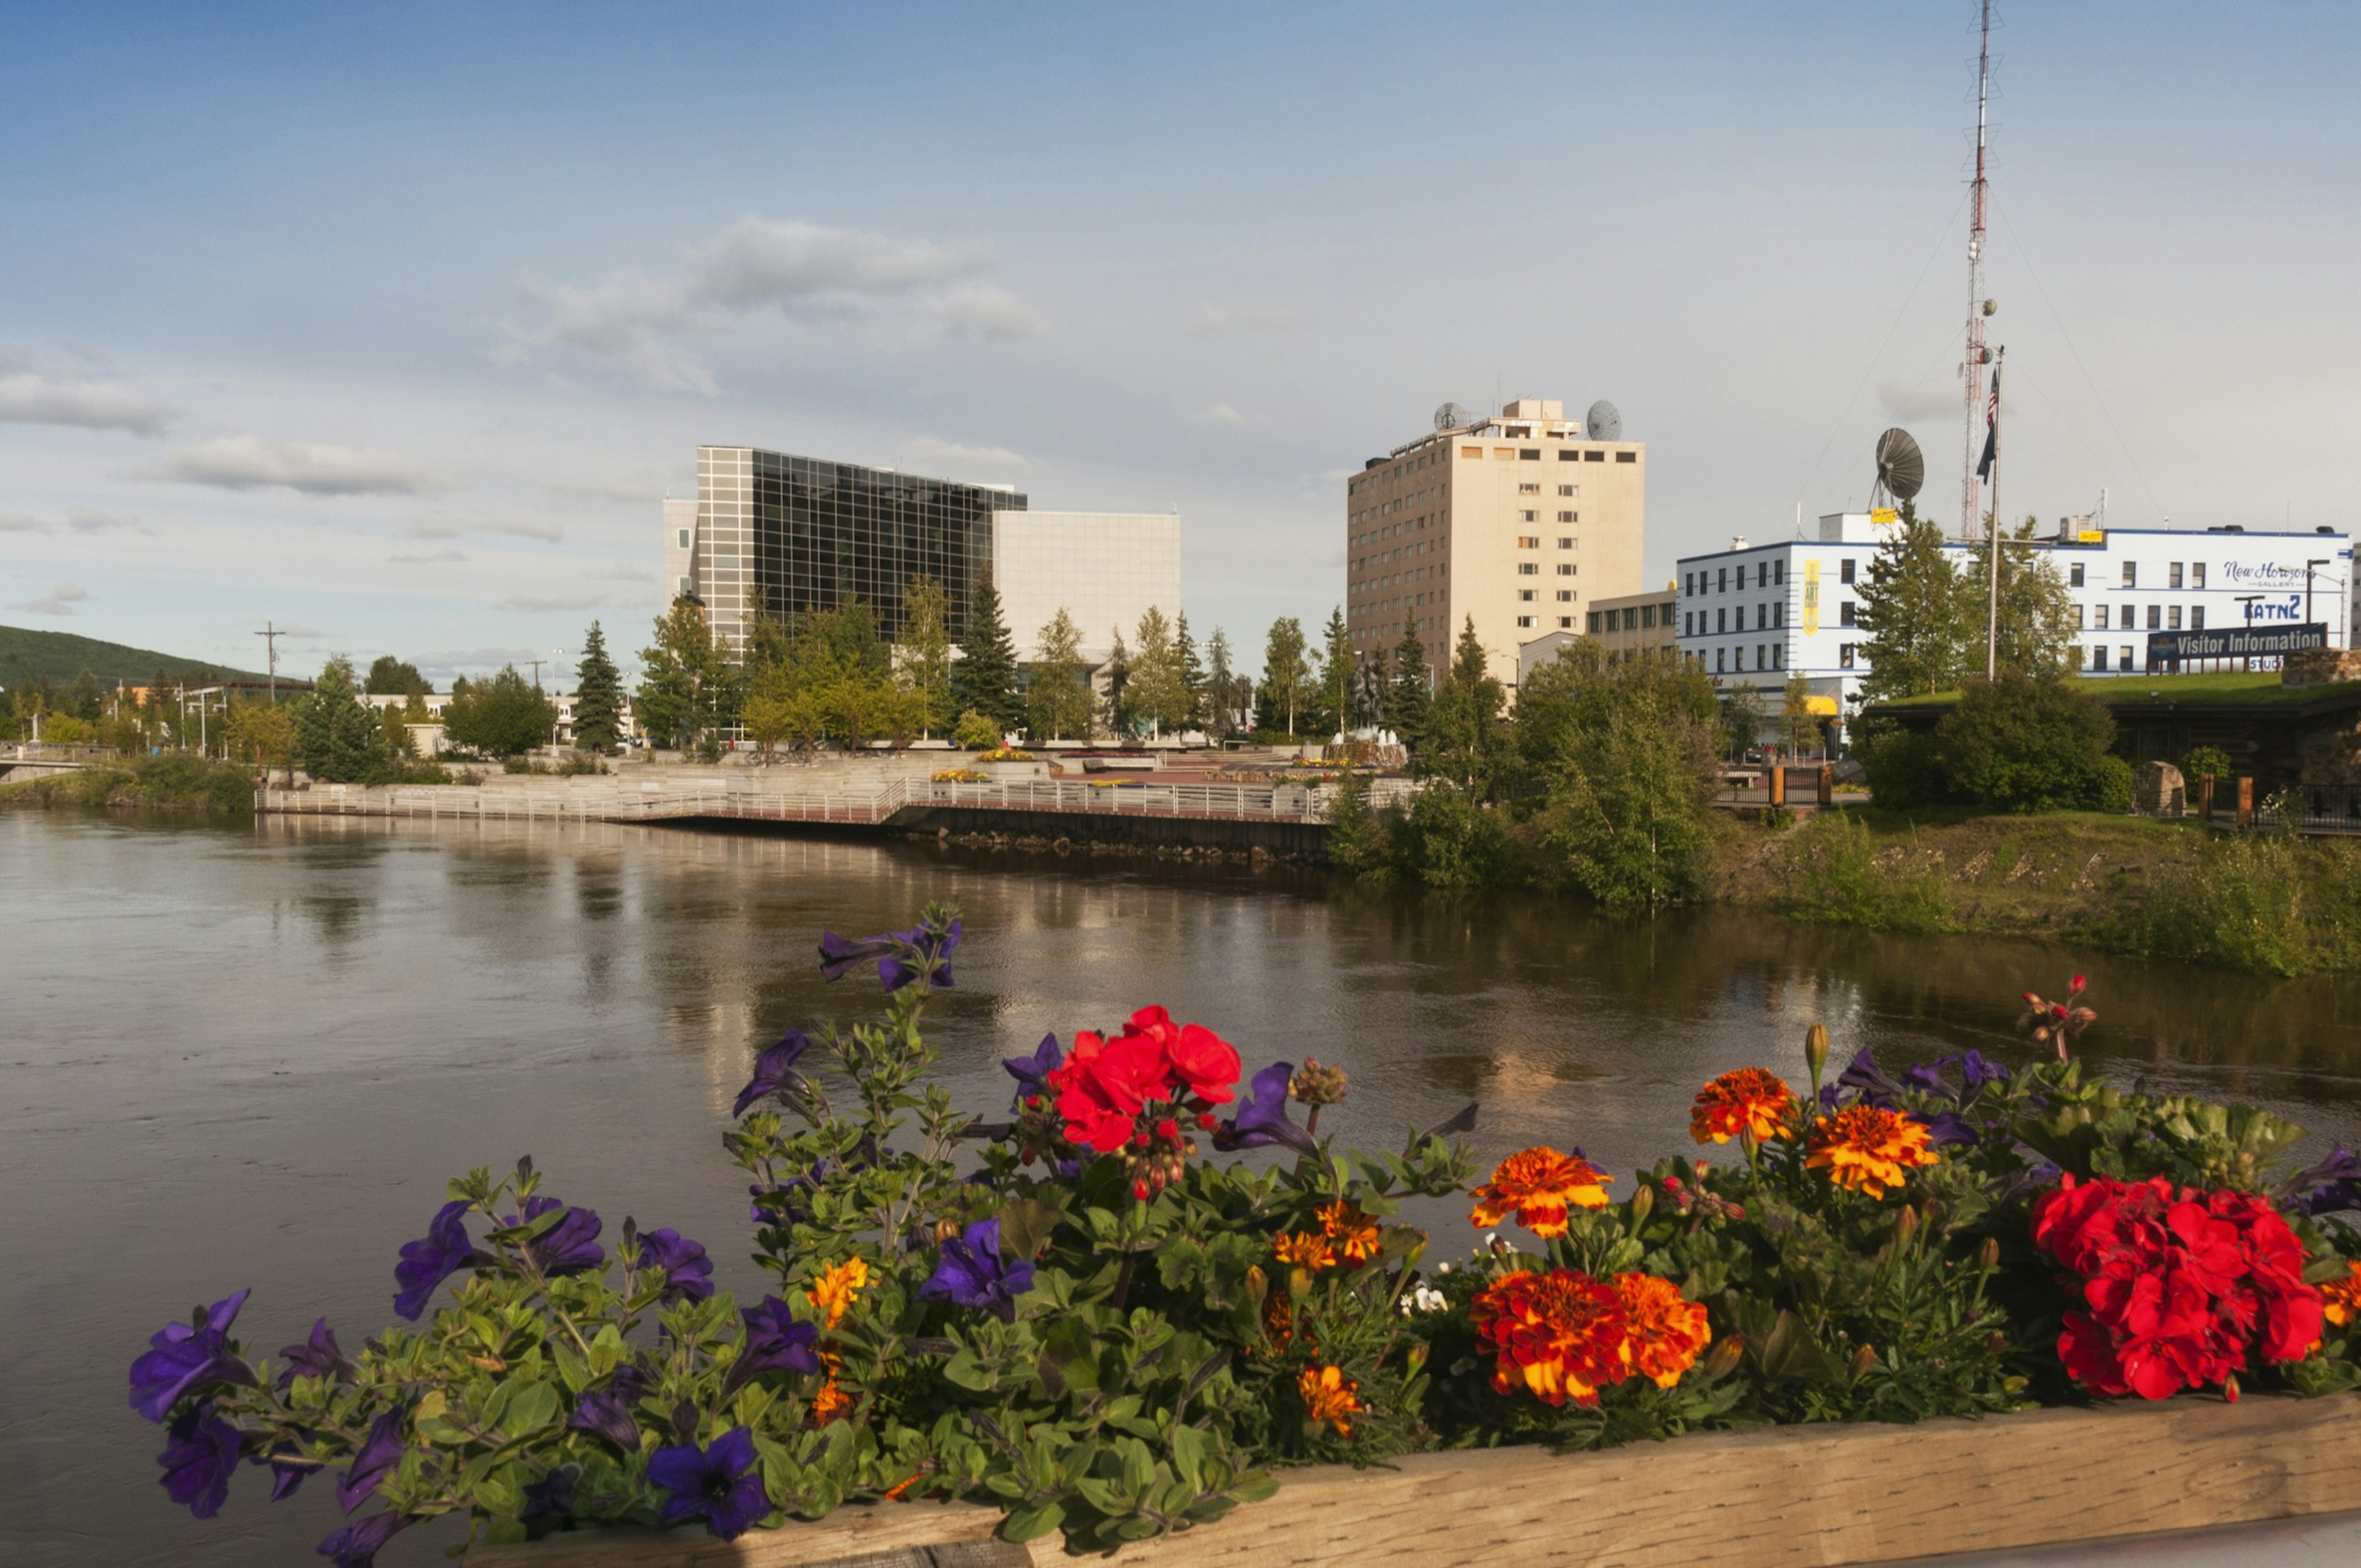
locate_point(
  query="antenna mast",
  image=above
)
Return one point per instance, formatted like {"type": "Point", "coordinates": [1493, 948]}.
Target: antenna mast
{"type": "Point", "coordinates": [1973, 367]}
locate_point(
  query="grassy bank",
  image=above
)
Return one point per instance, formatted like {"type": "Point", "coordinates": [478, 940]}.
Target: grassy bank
{"type": "Point", "coordinates": [2164, 889]}
{"type": "Point", "coordinates": [174, 781]}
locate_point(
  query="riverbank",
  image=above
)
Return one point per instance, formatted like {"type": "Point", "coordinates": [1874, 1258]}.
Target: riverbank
{"type": "Point", "coordinates": [172, 781]}
{"type": "Point", "coordinates": [2174, 890]}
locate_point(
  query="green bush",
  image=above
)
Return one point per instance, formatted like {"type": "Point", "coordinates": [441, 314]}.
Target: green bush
{"type": "Point", "coordinates": [1834, 876]}
{"type": "Point", "coordinates": [2205, 763]}
{"type": "Point", "coordinates": [2019, 744]}
{"type": "Point", "coordinates": [1905, 769]}
{"type": "Point", "coordinates": [2267, 905]}
{"type": "Point", "coordinates": [1447, 840]}
{"type": "Point", "coordinates": [2115, 794]}
{"type": "Point", "coordinates": [975, 733]}
{"type": "Point", "coordinates": [1360, 841]}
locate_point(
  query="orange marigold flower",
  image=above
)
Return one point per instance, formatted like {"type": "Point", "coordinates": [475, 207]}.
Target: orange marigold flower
{"type": "Point", "coordinates": [2340, 1300]}
{"type": "Point", "coordinates": [1560, 1334]}
{"type": "Point", "coordinates": [833, 1292]}
{"type": "Point", "coordinates": [1305, 1250]}
{"type": "Point", "coordinates": [1869, 1150]}
{"type": "Point", "coordinates": [1747, 1100]}
{"type": "Point", "coordinates": [1355, 1233]}
{"type": "Point", "coordinates": [1665, 1332]}
{"type": "Point", "coordinates": [830, 1403]}
{"type": "Point", "coordinates": [1330, 1396]}
{"type": "Point", "coordinates": [1539, 1186]}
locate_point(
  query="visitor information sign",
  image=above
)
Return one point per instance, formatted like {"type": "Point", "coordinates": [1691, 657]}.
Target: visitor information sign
{"type": "Point", "coordinates": [2235, 642]}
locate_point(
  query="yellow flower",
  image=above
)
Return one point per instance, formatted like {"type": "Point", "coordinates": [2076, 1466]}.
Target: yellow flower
{"type": "Point", "coordinates": [1330, 1396]}
{"type": "Point", "coordinates": [1539, 1185]}
{"type": "Point", "coordinates": [832, 1294]}
{"type": "Point", "coordinates": [1749, 1100]}
{"type": "Point", "coordinates": [1305, 1250]}
{"type": "Point", "coordinates": [1869, 1150]}
{"type": "Point", "coordinates": [2340, 1300]}
{"type": "Point", "coordinates": [1355, 1233]}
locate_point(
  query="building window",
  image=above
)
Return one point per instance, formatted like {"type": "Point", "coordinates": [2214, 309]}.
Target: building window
{"type": "Point", "coordinates": [1648, 617]}
{"type": "Point", "coordinates": [1528, 593]}
{"type": "Point", "coordinates": [1566, 596]}
{"type": "Point", "coordinates": [1718, 654]}
{"type": "Point", "coordinates": [1844, 655]}
{"type": "Point", "coordinates": [1845, 614]}
{"type": "Point", "coordinates": [2124, 662]}
{"type": "Point", "coordinates": [1593, 623]}
{"type": "Point", "coordinates": [2075, 575]}
{"type": "Point", "coordinates": [1524, 620]}
{"type": "Point", "coordinates": [2155, 618]}
{"type": "Point", "coordinates": [2099, 658]}
{"type": "Point", "coordinates": [1740, 625]}
{"type": "Point", "coordinates": [684, 539]}
{"type": "Point", "coordinates": [1566, 568]}
{"type": "Point", "coordinates": [2197, 614]}
{"type": "Point", "coordinates": [2172, 576]}
{"type": "Point", "coordinates": [2172, 619]}
{"type": "Point", "coordinates": [1722, 620]}
{"type": "Point", "coordinates": [2078, 618]}
{"type": "Point", "coordinates": [1594, 457]}
{"type": "Point", "coordinates": [2197, 574]}
{"type": "Point", "coordinates": [1471, 451]}
{"type": "Point", "coordinates": [1779, 572]}
{"type": "Point", "coordinates": [1566, 516]}
{"type": "Point", "coordinates": [2131, 573]}
{"type": "Point", "coordinates": [1627, 458]}
{"type": "Point", "coordinates": [1529, 569]}
{"type": "Point", "coordinates": [1564, 489]}
{"type": "Point", "coordinates": [1844, 572]}
{"type": "Point", "coordinates": [1569, 457]}
{"type": "Point", "coordinates": [1566, 541]}
{"type": "Point", "coordinates": [1529, 489]}
{"type": "Point", "coordinates": [1529, 453]}
{"type": "Point", "coordinates": [1688, 584]}
{"type": "Point", "coordinates": [1529, 517]}
{"type": "Point", "coordinates": [1723, 577]}
{"type": "Point", "coordinates": [687, 585]}
{"type": "Point", "coordinates": [1566, 620]}
{"type": "Point", "coordinates": [1762, 660]}
{"type": "Point", "coordinates": [1742, 578]}
{"type": "Point", "coordinates": [2099, 617]}
{"type": "Point", "coordinates": [1528, 542]}
{"type": "Point", "coordinates": [1778, 656]}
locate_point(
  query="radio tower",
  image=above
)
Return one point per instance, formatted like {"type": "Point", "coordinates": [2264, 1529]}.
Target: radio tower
{"type": "Point", "coordinates": [1972, 367]}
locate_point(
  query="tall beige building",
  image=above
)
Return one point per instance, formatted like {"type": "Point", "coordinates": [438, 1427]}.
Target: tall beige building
{"type": "Point", "coordinates": [1519, 522]}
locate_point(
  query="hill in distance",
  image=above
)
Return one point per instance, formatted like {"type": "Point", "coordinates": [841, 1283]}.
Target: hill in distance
{"type": "Point", "coordinates": [26, 655]}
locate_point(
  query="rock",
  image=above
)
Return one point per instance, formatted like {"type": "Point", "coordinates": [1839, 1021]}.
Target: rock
{"type": "Point", "coordinates": [2157, 791]}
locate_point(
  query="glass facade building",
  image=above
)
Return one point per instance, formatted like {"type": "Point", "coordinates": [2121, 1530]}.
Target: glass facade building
{"type": "Point", "coordinates": [781, 535]}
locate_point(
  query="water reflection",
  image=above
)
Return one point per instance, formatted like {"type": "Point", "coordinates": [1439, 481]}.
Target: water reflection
{"type": "Point", "coordinates": [249, 1056]}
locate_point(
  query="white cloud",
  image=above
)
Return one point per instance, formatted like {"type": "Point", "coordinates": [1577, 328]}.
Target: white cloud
{"type": "Point", "coordinates": [31, 396]}
{"type": "Point", "coordinates": [17, 522]}
{"type": "Point", "coordinates": [535, 603]}
{"type": "Point", "coordinates": [605, 490]}
{"type": "Point", "coordinates": [87, 519]}
{"type": "Point", "coordinates": [624, 572]}
{"type": "Point", "coordinates": [950, 455]}
{"type": "Point", "coordinates": [429, 558]}
{"type": "Point", "coordinates": [431, 531]}
{"type": "Point", "coordinates": [1221, 414]}
{"type": "Point", "coordinates": [249, 463]}
{"type": "Point", "coordinates": [1221, 320]}
{"type": "Point", "coordinates": [800, 270]}
{"type": "Point", "coordinates": [548, 532]}
{"type": "Point", "coordinates": [60, 600]}
{"type": "Point", "coordinates": [1931, 398]}
{"type": "Point", "coordinates": [301, 633]}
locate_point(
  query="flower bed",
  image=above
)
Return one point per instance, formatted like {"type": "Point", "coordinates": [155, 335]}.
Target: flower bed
{"type": "Point", "coordinates": [1071, 1324]}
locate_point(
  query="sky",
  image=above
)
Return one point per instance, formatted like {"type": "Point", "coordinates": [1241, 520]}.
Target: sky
{"type": "Point", "coordinates": [393, 325]}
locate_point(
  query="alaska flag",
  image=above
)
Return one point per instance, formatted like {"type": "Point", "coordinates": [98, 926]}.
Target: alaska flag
{"type": "Point", "coordinates": [1991, 431]}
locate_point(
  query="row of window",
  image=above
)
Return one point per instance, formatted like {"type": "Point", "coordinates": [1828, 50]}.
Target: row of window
{"type": "Point", "coordinates": [1565, 622]}
{"type": "Point", "coordinates": [2160, 616]}
{"type": "Point", "coordinates": [1767, 656]}
{"type": "Point", "coordinates": [1564, 596]}
{"type": "Point", "coordinates": [1533, 568]}
{"type": "Point", "coordinates": [1629, 617]}
{"type": "Point", "coordinates": [2172, 576]}
{"type": "Point", "coordinates": [1565, 455]}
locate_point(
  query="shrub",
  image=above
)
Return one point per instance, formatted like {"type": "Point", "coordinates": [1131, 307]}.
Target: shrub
{"type": "Point", "coordinates": [2274, 904]}
{"type": "Point", "coordinates": [2023, 744]}
{"type": "Point", "coordinates": [2205, 763]}
{"type": "Point", "coordinates": [1360, 840]}
{"type": "Point", "coordinates": [1447, 840]}
{"type": "Point", "coordinates": [1904, 769]}
{"type": "Point", "coordinates": [975, 733]}
{"type": "Point", "coordinates": [2114, 787]}
{"type": "Point", "coordinates": [1836, 874]}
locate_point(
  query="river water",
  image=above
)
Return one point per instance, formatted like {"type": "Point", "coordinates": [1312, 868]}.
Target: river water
{"type": "Point", "coordinates": [250, 1055]}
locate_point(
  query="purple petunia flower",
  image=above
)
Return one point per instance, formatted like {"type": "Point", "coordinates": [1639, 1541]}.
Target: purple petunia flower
{"type": "Point", "coordinates": [380, 1453]}
{"type": "Point", "coordinates": [1032, 1073]}
{"type": "Point", "coordinates": [186, 1354]}
{"type": "Point", "coordinates": [775, 1071]}
{"type": "Point", "coordinates": [319, 1356]}
{"type": "Point", "coordinates": [199, 1451]}
{"type": "Point", "coordinates": [608, 1412]}
{"type": "Point", "coordinates": [569, 1247]}
{"type": "Point", "coordinates": [972, 1273]}
{"type": "Point", "coordinates": [426, 1263]}
{"type": "Point", "coordinates": [285, 1478]}
{"type": "Point", "coordinates": [1945, 1127]}
{"type": "Point", "coordinates": [2331, 1186]}
{"type": "Point", "coordinates": [357, 1544]}
{"type": "Point", "coordinates": [837, 956]}
{"type": "Point", "coordinates": [1927, 1077]}
{"type": "Point", "coordinates": [1977, 1073]}
{"type": "Point", "coordinates": [926, 954]}
{"type": "Point", "coordinates": [1262, 1116]}
{"type": "Point", "coordinates": [552, 1496]}
{"type": "Point", "coordinates": [1868, 1082]}
{"type": "Point", "coordinates": [688, 1273]}
{"type": "Point", "coordinates": [777, 1340]}
{"type": "Point", "coordinates": [721, 1484]}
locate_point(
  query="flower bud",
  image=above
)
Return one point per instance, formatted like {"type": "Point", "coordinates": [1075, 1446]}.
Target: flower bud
{"type": "Point", "coordinates": [2230, 1388]}
{"type": "Point", "coordinates": [1863, 1359]}
{"type": "Point", "coordinates": [1643, 1201]}
{"type": "Point", "coordinates": [1139, 1191]}
{"type": "Point", "coordinates": [1905, 1224]}
{"type": "Point", "coordinates": [1723, 1358]}
{"type": "Point", "coordinates": [1816, 1052]}
{"type": "Point", "coordinates": [1316, 1085]}
{"type": "Point", "coordinates": [1988, 1254]}
{"type": "Point", "coordinates": [1995, 1343]}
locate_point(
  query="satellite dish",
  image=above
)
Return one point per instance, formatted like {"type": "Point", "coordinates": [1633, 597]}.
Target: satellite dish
{"type": "Point", "coordinates": [1604, 422]}
{"type": "Point", "coordinates": [1450, 416]}
{"type": "Point", "coordinates": [1901, 466]}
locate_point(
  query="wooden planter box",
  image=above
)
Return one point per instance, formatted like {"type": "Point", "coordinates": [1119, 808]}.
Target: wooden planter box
{"type": "Point", "coordinates": [1819, 1495]}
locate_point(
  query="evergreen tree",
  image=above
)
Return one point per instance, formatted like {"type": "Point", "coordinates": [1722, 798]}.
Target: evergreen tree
{"type": "Point", "coordinates": [687, 688]}
{"type": "Point", "coordinates": [2038, 627]}
{"type": "Point", "coordinates": [88, 701]}
{"type": "Point", "coordinates": [1058, 694]}
{"type": "Point", "coordinates": [1410, 694]}
{"type": "Point", "coordinates": [1117, 672]}
{"type": "Point", "coordinates": [1465, 740]}
{"type": "Point", "coordinates": [1192, 676]}
{"type": "Point", "coordinates": [1913, 607]}
{"type": "Point", "coordinates": [926, 653]}
{"type": "Point", "coordinates": [985, 679]}
{"type": "Point", "coordinates": [1222, 716]}
{"type": "Point", "coordinates": [1336, 662]}
{"type": "Point", "coordinates": [598, 695]}
{"type": "Point", "coordinates": [1286, 673]}
{"type": "Point", "coordinates": [336, 739]}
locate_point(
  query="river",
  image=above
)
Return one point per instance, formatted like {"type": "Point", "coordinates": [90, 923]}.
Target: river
{"type": "Point", "coordinates": [250, 1055]}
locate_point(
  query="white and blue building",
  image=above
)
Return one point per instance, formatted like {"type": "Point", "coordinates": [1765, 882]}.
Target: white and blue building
{"type": "Point", "coordinates": [1757, 614]}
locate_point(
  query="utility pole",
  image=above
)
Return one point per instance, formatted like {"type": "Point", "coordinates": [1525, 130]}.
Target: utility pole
{"type": "Point", "coordinates": [270, 635]}
{"type": "Point", "coordinates": [1979, 307]}
{"type": "Point", "coordinates": [536, 664]}
{"type": "Point", "coordinates": [2308, 566]}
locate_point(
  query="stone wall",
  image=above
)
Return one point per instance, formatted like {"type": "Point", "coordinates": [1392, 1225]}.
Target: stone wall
{"type": "Point", "coordinates": [2320, 667]}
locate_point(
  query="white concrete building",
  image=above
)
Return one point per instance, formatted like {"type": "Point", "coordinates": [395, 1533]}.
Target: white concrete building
{"type": "Point", "coordinates": [1103, 568]}
{"type": "Point", "coordinates": [1754, 614]}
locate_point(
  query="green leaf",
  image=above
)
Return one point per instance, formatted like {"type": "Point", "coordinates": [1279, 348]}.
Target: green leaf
{"type": "Point", "coordinates": [1254, 1486]}
{"type": "Point", "coordinates": [1029, 1524]}
{"type": "Point", "coordinates": [1188, 1456]}
{"type": "Point", "coordinates": [530, 1408]}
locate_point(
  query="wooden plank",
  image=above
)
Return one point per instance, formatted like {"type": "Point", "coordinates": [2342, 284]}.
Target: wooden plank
{"type": "Point", "coordinates": [1812, 1497]}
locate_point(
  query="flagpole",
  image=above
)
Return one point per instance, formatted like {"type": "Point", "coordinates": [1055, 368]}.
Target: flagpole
{"type": "Point", "coordinates": [1992, 535]}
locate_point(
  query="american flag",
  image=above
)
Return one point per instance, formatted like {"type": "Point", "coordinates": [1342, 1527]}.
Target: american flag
{"type": "Point", "coordinates": [1992, 430]}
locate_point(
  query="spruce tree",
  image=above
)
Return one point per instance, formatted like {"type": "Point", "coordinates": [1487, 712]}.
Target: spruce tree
{"type": "Point", "coordinates": [1408, 695]}
{"type": "Point", "coordinates": [1337, 659]}
{"type": "Point", "coordinates": [337, 740]}
{"type": "Point", "coordinates": [598, 695]}
{"type": "Point", "coordinates": [1221, 688]}
{"type": "Point", "coordinates": [1464, 737]}
{"type": "Point", "coordinates": [985, 679]}
{"type": "Point", "coordinates": [1193, 675]}
{"type": "Point", "coordinates": [1117, 669]}
{"type": "Point", "coordinates": [1917, 608]}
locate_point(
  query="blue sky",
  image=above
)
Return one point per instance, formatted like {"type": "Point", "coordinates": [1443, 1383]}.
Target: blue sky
{"type": "Point", "coordinates": [394, 324]}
